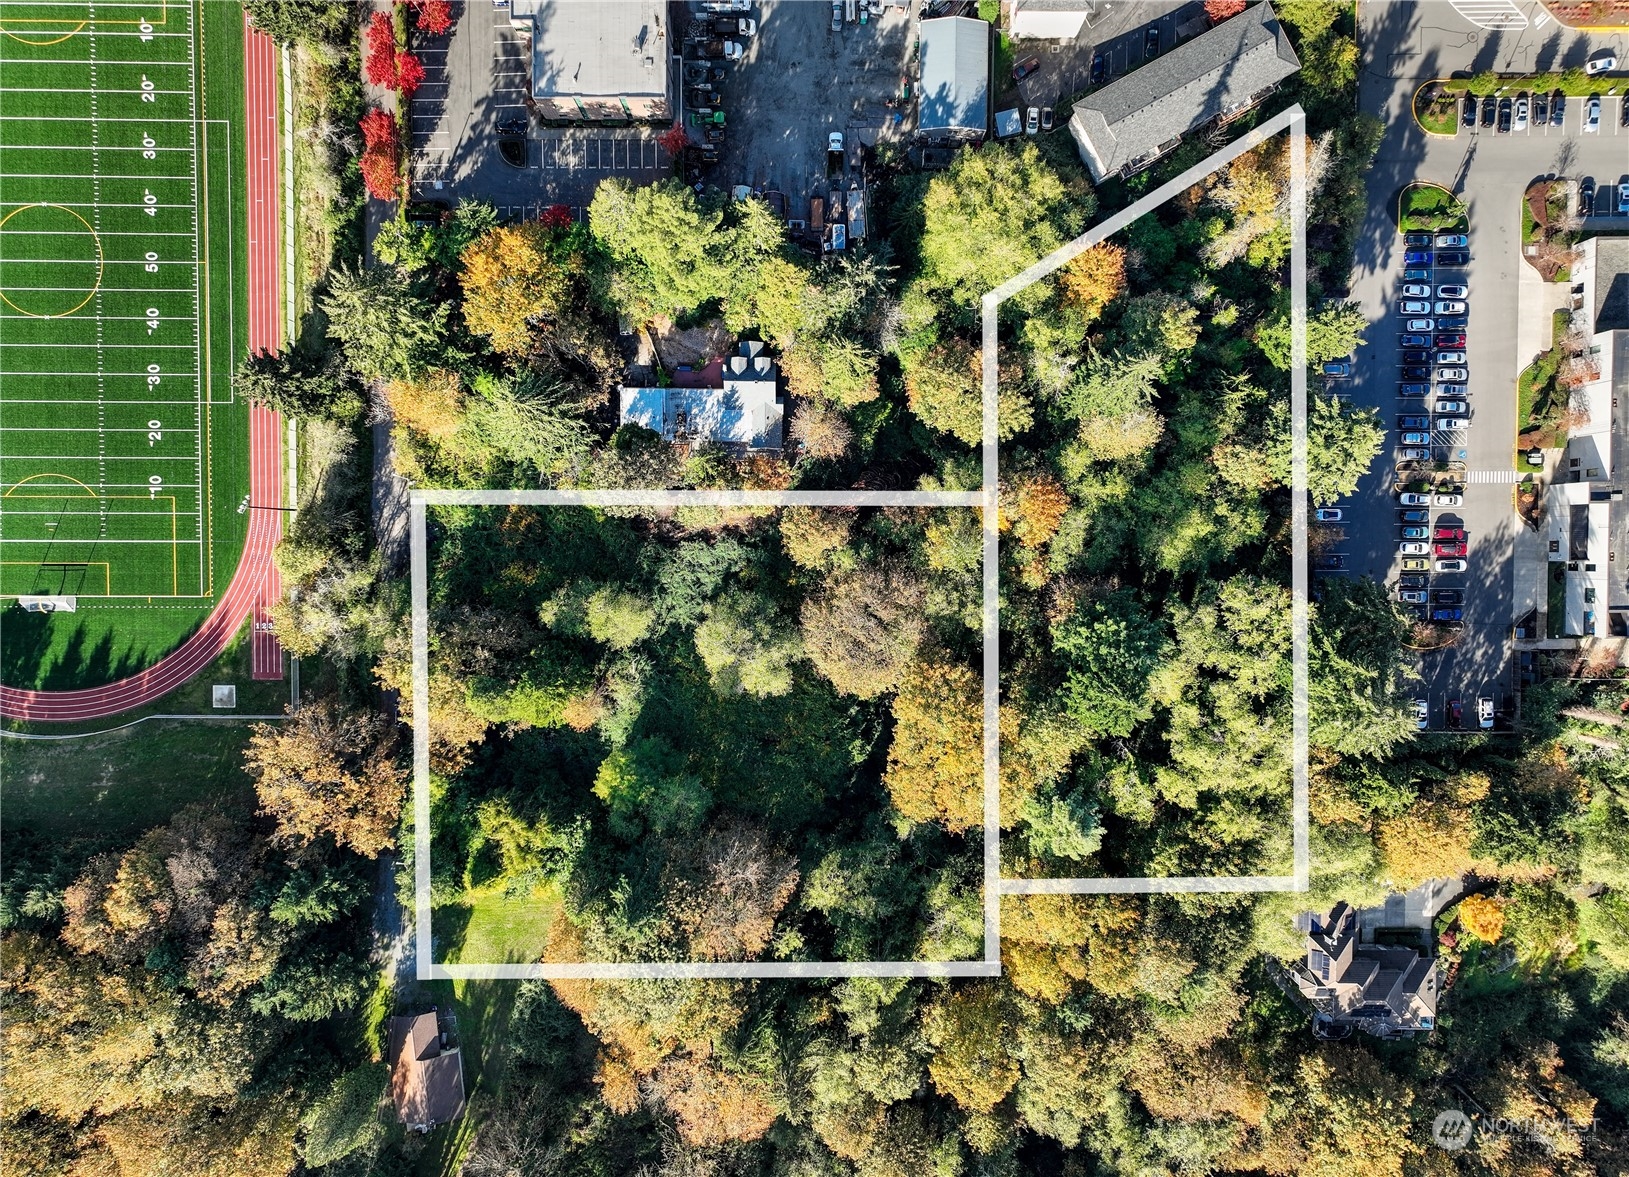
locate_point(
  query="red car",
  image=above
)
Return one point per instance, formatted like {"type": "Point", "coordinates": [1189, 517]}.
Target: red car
{"type": "Point", "coordinates": [1450, 340]}
{"type": "Point", "coordinates": [1024, 68]}
{"type": "Point", "coordinates": [1453, 533]}
{"type": "Point", "coordinates": [1450, 549]}
{"type": "Point", "coordinates": [1456, 713]}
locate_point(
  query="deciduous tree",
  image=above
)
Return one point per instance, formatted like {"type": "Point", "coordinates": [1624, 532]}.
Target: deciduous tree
{"type": "Point", "coordinates": [863, 629]}
{"type": "Point", "coordinates": [512, 283]}
{"type": "Point", "coordinates": [936, 760]}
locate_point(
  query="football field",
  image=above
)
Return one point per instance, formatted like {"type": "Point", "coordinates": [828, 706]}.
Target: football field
{"type": "Point", "coordinates": [117, 304]}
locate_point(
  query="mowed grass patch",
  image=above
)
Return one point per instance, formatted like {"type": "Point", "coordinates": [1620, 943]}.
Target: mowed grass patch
{"type": "Point", "coordinates": [108, 789]}
{"type": "Point", "coordinates": [124, 456]}
{"type": "Point", "coordinates": [492, 926]}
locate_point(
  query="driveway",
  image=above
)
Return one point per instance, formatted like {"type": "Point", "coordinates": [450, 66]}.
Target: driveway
{"type": "Point", "coordinates": [1119, 32]}
{"type": "Point", "coordinates": [1404, 45]}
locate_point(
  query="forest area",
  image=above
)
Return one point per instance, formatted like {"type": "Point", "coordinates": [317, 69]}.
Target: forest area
{"type": "Point", "coordinates": [725, 734]}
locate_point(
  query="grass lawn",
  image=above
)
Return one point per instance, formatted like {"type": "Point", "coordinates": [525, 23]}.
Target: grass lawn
{"type": "Point", "coordinates": [123, 455]}
{"type": "Point", "coordinates": [491, 927]}
{"type": "Point", "coordinates": [1439, 115]}
{"type": "Point", "coordinates": [1428, 208]}
{"type": "Point", "coordinates": [111, 788]}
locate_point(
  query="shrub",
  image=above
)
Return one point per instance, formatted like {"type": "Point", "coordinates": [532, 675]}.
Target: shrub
{"type": "Point", "coordinates": [380, 63]}
{"type": "Point", "coordinates": [409, 73]}
{"type": "Point", "coordinates": [432, 16]}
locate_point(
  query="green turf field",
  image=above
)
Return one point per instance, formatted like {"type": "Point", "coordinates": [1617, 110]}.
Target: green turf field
{"type": "Point", "coordinates": [123, 452]}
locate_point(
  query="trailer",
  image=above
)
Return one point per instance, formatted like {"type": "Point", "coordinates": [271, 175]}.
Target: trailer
{"type": "Point", "coordinates": [856, 214]}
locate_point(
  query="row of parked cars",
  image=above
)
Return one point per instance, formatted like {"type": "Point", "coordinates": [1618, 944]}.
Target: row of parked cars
{"type": "Point", "coordinates": [1520, 112]}
{"type": "Point", "coordinates": [1592, 205]}
{"type": "Point", "coordinates": [1456, 713]}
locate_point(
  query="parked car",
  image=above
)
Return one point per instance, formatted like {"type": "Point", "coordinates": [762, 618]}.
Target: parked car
{"type": "Point", "coordinates": [1413, 306]}
{"type": "Point", "coordinates": [1413, 532]}
{"type": "Point", "coordinates": [1416, 239]}
{"type": "Point", "coordinates": [1506, 113]}
{"type": "Point", "coordinates": [1453, 324]}
{"type": "Point", "coordinates": [1448, 596]}
{"type": "Point", "coordinates": [1453, 390]}
{"type": "Point", "coordinates": [1411, 596]}
{"type": "Point", "coordinates": [1414, 438]}
{"type": "Point", "coordinates": [1454, 257]}
{"type": "Point", "coordinates": [1623, 115]}
{"type": "Point", "coordinates": [1451, 241]}
{"type": "Point", "coordinates": [1601, 62]}
{"type": "Point", "coordinates": [1024, 68]}
{"type": "Point", "coordinates": [1489, 105]}
{"type": "Point", "coordinates": [1484, 712]}
{"type": "Point", "coordinates": [1032, 120]}
{"type": "Point", "coordinates": [1449, 549]}
{"type": "Point", "coordinates": [1416, 290]}
{"type": "Point", "coordinates": [1097, 69]}
{"type": "Point", "coordinates": [1449, 339]}
{"type": "Point", "coordinates": [1415, 341]}
{"type": "Point", "coordinates": [1327, 514]}
{"type": "Point", "coordinates": [1410, 498]}
{"type": "Point", "coordinates": [1521, 114]}
{"type": "Point", "coordinates": [1623, 198]}
{"type": "Point", "coordinates": [1046, 118]}
{"type": "Point", "coordinates": [1453, 374]}
{"type": "Point", "coordinates": [1151, 42]}
{"type": "Point", "coordinates": [1456, 713]}
{"type": "Point", "coordinates": [1447, 614]}
{"type": "Point", "coordinates": [1467, 116]}
{"type": "Point", "coordinates": [1413, 453]}
{"type": "Point", "coordinates": [1453, 424]}
{"type": "Point", "coordinates": [1451, 407]}
{"type": "Point", "coordinates": [1453, 290]}
{"type": "Point", "coordinates": [1452, 306]}
{"type": "Point", "coordinates": [1422, 714]}
{"type": "Point", "coordinates": [1416, 275]}
{"type": "Point", "coordinates": [1451, 566]}
{"type": "Point", "coordinates": [1412, 580]}
{"type": "Point", "coordinates": [1414, 423]}
{"type": "Point", "coordinates": [1415, 516]}
{"type": "Point", "coordinates": [1416, 372]}
{"type": "Point", "coordinates": [1592, 114]}
{"type": "Point", "coordinates": [1586, 191]}
{"type": "Point", "coordinates": [1448, 499]}
{"type": "Point", "coordinates": [1541, 110]}
{"type": "Point", "coordinates": [1338, 368]}
{"type": "Point", "coordinates": [1412, 548]}
{"type": "Point", "coordinates": [836, 16]}
{"type": "Point", "coordinates": [1417, 356]}
{"type": "Point", "coordinates": [1416, 564]}
{"type": "Point", "coordinates": [1420, 324]}
{"type": "Point", "coordinates": [1450, 357]}
{"type": "Point", "coordinates": [1331, 563]}
{"type": "Point", "coordinates": [1558, 108]}
{"type": "Point", "coordinates": [1413, 389]}
{"type": "Point", "coordinates": [1448, 533]}
{"type": "Point", "coordinates": [1417, 257]}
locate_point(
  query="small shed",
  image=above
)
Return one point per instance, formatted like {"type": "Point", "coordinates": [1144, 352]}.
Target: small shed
{"type": "Point", "coordinates": [954, 99]}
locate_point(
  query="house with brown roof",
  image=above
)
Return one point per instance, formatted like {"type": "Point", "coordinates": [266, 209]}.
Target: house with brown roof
{"type": "Point", "coordinates": [426, 1075]}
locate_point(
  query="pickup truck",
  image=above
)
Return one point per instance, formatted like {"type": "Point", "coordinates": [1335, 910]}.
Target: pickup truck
{"type": "Point", "coordinates": [714, 50]}
{"type": "Point", "coordinates": [734, 26]}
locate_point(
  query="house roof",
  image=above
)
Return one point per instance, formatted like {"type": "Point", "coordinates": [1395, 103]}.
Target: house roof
{"type": "Point", "coordinates": [745, 411]}
{"type": "Point", "coordinates": [1611, 294]}
{"type": "Point", "coordinates": [604, 50]}
{"type": "Point", "coordinates": [955, 75]}
{"type": "Point", "coordinates": [1211, 75]}
{"type": "Point", "coordinates": [426, 1084]}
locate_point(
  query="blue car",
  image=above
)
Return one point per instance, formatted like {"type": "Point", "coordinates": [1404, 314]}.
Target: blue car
{"type": "Point", "coordinates": [1447, 614]}
{"type": "Point", "coordinates": [1457, 324]}
{"type": "Point", "coordinates": [1416, 516]}
{"type": "Point", "coordinates": [1416, 275]}
{"type": "Point", "coordinates": [1413, 389]}
{"type": "Point", "coordinates": [1417, 257]}
{"type": "Point", "coordinates": [1413, 423]}
{"type": "Point", "coordinates": [1416, 341]}
{"type": "Point", "coordinates": [1416, 532]}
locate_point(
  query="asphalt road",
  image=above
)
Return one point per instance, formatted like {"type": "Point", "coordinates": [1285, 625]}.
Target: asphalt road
{"type": "Point", "coordinates": [1404, 45]}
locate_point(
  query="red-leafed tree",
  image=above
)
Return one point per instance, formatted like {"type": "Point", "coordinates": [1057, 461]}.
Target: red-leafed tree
{"type": "Point", "coordinates": [382, 158]}
{"type": "Point", "coordinates": [556, 216]}
{"type": "Point", "coordinates": [379, 126]}
{"type": "Point", "coordinates": [1220, 10]}
{"type": "Point", "coordinates": [380, 62]}
{"type": "Point", "coordinates": [409, 73]}
{"type": "Point", "coordinates": [674, 140]}
{"type": "Point", "coordinates": [432, 16]}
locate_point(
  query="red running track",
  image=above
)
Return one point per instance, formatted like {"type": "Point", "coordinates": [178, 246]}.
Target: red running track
{"type": "Point", "coordinates": [255, 585]}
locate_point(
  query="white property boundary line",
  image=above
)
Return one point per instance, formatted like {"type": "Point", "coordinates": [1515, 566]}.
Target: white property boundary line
{"type": "Point", "coordinates": [1293, 120]}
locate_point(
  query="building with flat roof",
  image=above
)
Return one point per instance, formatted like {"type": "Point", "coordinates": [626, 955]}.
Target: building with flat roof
{"type": "Point", "coordinates": [954, 98]}
{"type": "Point", "coordinates": [1124, 127]}
{"type": "Point", "coordinates": [607, 60]}
{"type": "Point", "coordinates": [1049, 20]}
{"type": "Point", "coordinates": [746, 412]}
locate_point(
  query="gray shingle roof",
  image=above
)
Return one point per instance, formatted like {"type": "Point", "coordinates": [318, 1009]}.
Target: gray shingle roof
{"type": "Point", "coordinates": [955, 58]}
{"type": "Point", "coordinates": [1611, 284]}
{"type": "Point", "coordinates": [1215, 73]}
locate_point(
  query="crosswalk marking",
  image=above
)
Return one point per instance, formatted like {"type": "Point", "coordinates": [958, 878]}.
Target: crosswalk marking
{"type": "Point", "coordinates": [1491, 14]}
{"type": "Point", "coordinates": [1494, 476]}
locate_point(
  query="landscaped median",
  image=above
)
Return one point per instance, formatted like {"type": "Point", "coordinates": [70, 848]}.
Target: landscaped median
{"type": "Point", "coordinates": [1437, 102]}
{"type": "Point", "coordinates": [1544, 390]}
{"type": "Point", "coordinates": [1549, 229]}
{"type": "Point", "coordinates": [1426, 207]}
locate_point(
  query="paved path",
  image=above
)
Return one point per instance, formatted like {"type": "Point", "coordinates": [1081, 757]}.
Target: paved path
{"type": "Point", "coordinates": [255, 584]}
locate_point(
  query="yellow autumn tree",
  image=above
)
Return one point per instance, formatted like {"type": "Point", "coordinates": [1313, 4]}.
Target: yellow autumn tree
{"type": "Point", "coordinates": [1093, 279]}
{"type": "Point", "coordinates": [970, 1031]}
{"type": "Point", "coordinates": [510, 280]}
{"type": "Point", "coordinates": [936, 763]}
{"type": "Point", "coordinates": [1482, 917]}
{"type": "Point", "coordinates": [1431, 841]}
